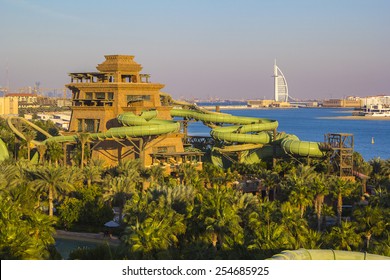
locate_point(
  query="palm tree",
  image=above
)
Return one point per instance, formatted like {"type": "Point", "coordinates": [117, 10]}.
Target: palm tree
{"type": "Point", "coordinates": [156, 175]}
{"type": "Point", "coordinates": [118, 190]}
{"type": "Point", "coordinates": [360, 165]}
{"type": "Point", "coordinates": [10, 177]}
{"type": "Point", "coordinates": [54, 152]}
{"type": "Point", "coordinates": [344, 237]}
{"type": "Point", "coordinates": [296, 227]}
{"type": "Point", "coordinates": [41, 150]}
{"type": "Point", "coordinates": [386, 169]}
{"type": "Point", "coordinates": [53, 181]}
{"type": "Point", "coordinates": [211, 174]}
{"type": "Point", "coordinates": [370, 221]}
{"type": "Point", "coordinates": [219, 217]}
{"type": "Point", "coordinates": [29, 136]}
{"type": "Point", "coordinates": [157, 232]}
{"type": "Point", "coordinates": [190, 175]}
{"type": "Point", "coordinates": [129, 166]}
{"type": "Point", "coordinates": [299, 181]}
{"type": "Point", "coordinates": [92, 172]}
{"type": "Point", "coordinates": [271, 237]}
{"type": "Point", "coordinates": [82, 139]}
{"type": "Point", "coordinates": [320, 189]}
{"type": "Point", "coordinates": [270, 180]}
{"type": "Point", "coordinates": [25, 233]}
{"type": "Point", "coordinates": [155, 219]}
{"type": "Point", "coordinates": [341, 187]}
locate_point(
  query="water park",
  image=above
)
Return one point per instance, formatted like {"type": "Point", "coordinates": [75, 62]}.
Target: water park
{"type": "Point", "coordinates": [120, 115]}
{"type": "Point", "coordinates": [123, 115]}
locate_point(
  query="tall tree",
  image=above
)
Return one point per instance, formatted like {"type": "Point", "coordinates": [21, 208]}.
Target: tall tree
{"type": "Point", "coordinates": [41, 150]}
{"type": "Point", "coordinates": [119, 190]}
{"type": "Point", "coordinates": [29, 136]}
{"type": "Point", "coordinates": [52, 180]}
{"type": "Point", "coordinates": [92, 172]}
{"type": "Point", "coordinates": [54, 152]}
{"type": "Point", "coordinates": [219, 217]}
{"type": "Point", "coordinates": [340, 188]}
{"type": "Point", "coordinates": [156, 175]}
{"type": "Point", "coordinates": [344, 237]}
{"type": "Point", "coordinates": [298, 182]}
{"type": "Point", "coordinates": [370, 221]}
{"type": "Point", "coordinates": [83, 139]}
{"type": "Point", "coordinates": [270, 180]}
{"type": "Point", "coordinates": [321, 189]}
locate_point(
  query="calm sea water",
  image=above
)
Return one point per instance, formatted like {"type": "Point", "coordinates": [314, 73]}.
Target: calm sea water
{"type": "Point", "coordinates": [310, 124]}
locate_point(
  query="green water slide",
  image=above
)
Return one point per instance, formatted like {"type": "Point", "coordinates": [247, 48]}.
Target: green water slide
{"type": "Point", "coordinates": [133, 126]}
{"type": "Point", "coordinates": [242, 131]}
{"type": "Point", "coordinates": [317, 254]}
{"type": "Point", "coordinates": [254, 138]}
{"type": "Point", "coordinates": [4, 155]}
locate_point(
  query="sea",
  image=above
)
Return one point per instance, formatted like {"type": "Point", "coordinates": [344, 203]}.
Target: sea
{"type": "Point", "coordinates": [371, 137]}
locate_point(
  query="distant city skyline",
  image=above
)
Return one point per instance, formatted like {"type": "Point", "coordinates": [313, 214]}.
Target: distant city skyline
{"type": "Point", "coordinates": [202, 49]}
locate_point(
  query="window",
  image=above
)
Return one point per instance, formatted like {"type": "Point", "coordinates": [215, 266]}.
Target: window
{"type": "Point", "coordinates": [79, 125]}
{"type": "Point", "coordinates": [88, 125]}
{"type": "Point", "coordinates": [88, 95]}
{"type": "Point", "coordinates": [100, 95]}
{"type": "Point", "coordinates": [162, 149]}
{"type": "Point", "coordinates": [110, 95]}
{"type": "Point", "coordinates": [137, 98]}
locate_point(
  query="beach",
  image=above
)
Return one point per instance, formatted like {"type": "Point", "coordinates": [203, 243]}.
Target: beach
{"type": "Point", "coordinates": [358, 118]}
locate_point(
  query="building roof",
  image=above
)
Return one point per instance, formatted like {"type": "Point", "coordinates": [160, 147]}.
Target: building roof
{"type": "Point", "coordinates": [123, 63]}
{"type": "Point", "coordinates": [21, 95]}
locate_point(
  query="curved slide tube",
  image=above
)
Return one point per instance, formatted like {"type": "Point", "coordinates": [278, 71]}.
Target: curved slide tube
{"type": "Point", "coordinates": [253, 137]}
{"type": "Point", "coordinates": [249, 130]}
{"type": "Point", "coordinates": [4, 155]}
{"type": "Point", "coordinates": [313, 254]}
{"type": "Point", "coordinates": [134, 126]}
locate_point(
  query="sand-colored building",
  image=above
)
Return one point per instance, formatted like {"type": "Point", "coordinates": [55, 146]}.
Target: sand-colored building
{"type": "Point", "coordinates": [344, 103]}
{"type": "Point", "coordinates": [25, 99]}
{"type": "Point", "coordinates": [8, 106]}
{"type": "Point", "coordinates": [267, 103]}
{"type": "Point", "coordinates": [115, 88]}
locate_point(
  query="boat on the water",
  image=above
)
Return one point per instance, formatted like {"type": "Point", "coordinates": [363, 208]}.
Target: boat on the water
{"type": "Point", "coordinates": [375, 111]}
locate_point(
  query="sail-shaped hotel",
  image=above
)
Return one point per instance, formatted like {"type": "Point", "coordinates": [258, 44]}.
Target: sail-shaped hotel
{"type": "Point", "coordinates": [280, 92]}
{"type": "Point", "coordinates": [280, 85]}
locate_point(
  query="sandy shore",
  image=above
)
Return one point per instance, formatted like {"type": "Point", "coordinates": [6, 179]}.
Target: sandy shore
{"type": "Point", "coordinates": [359, 118]}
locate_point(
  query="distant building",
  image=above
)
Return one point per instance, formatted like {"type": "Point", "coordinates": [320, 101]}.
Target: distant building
{"type": "Point", "coordinates": [46, 101]}
{"type": "Point", "coordinates": [25, 99]}
{"type": "Point", "coordinates": [280, 85]}
{"type": "Point", "coordinates": [9, 106]}
{"type": "Point", "coordinates": [280, 93]}
{"type": "Point", "coordinates": [267, 104]}
{"type": "Point", "coordinates": [61, 120]}
{"type": "Point", "coordinates": [343, 103]}
{"type": "Point", "coordinates": [383, 100]}
{"type": "Point", "coordinates": [259, 103]}
{"type": "Point", "coordinates": [64, 102]}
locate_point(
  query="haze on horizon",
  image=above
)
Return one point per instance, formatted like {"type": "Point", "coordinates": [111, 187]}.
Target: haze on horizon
{"type": "Point", "coordinates": [203, 49]}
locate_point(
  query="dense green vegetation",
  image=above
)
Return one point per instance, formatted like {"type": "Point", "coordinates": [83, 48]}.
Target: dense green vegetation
{"type": "Point", "coordinates": [198, 215]}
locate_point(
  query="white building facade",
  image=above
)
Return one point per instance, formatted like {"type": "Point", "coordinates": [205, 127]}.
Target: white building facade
{"type": "Point", "coordinates": [280, 85]}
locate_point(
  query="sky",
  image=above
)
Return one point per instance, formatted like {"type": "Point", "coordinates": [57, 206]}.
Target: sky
{"type": "Point", "coordinates": [203, 48]}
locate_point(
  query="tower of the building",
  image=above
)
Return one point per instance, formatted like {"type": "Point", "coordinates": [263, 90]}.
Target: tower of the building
{"type": "Point", "coordinates": [280, 85]}
{"type": "Point", "coordinates": [276, 96]}
{"type": "Point", "coordinates": [118, 86]}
